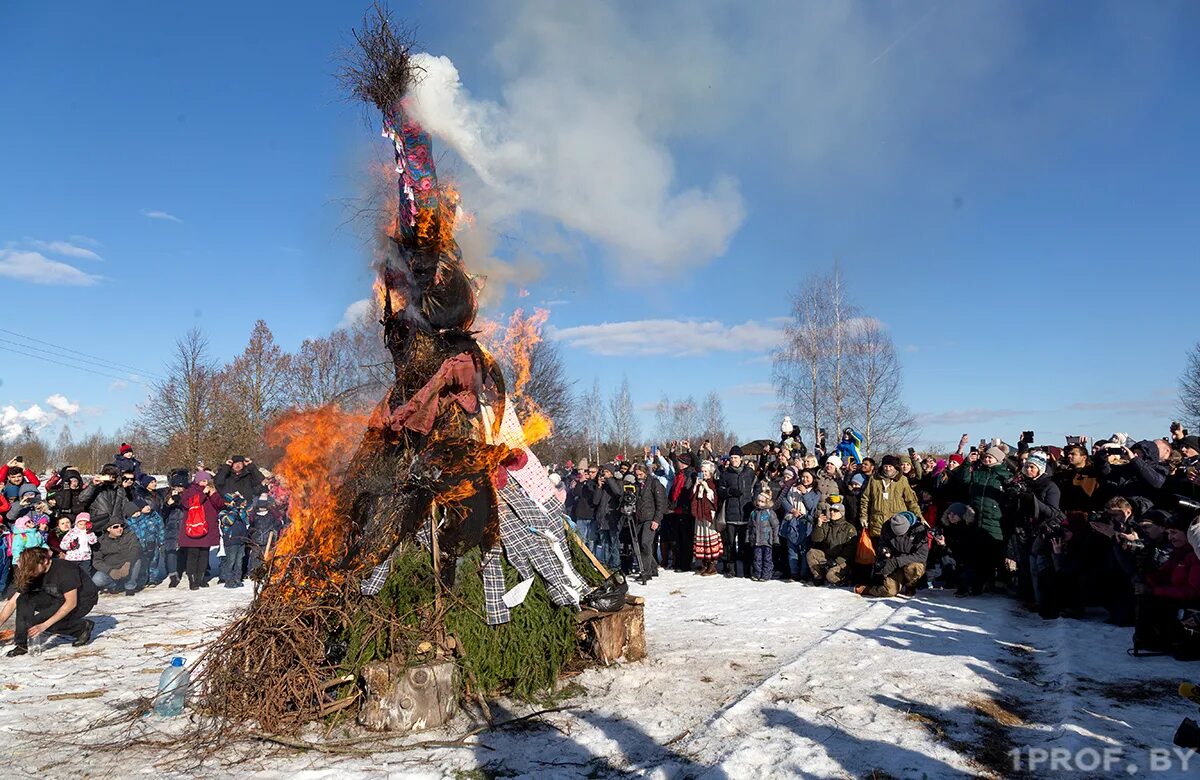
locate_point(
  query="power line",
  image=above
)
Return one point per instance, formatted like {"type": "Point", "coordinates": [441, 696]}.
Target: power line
{"type": "Point", "coordinates": [37, 356]}
{"type": "Point", "coordinates": [85, 357]}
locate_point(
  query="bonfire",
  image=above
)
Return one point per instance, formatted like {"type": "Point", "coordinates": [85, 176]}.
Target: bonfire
{"type": "Point", "coordinates": [440, 540]}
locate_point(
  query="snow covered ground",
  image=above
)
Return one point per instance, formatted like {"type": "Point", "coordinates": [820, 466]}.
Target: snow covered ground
{"type": "Point", "coordinates": [744, 680]}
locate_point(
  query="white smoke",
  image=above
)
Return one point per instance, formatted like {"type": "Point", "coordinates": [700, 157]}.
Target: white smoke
{"type": "Point", "coordinates": [582, 160]}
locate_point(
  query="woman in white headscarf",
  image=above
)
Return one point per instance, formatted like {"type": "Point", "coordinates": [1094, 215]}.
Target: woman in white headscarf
{"type": "Point", "coordinates": [706, 547]}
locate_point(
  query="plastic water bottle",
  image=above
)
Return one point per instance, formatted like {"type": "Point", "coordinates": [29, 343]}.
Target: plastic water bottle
{"type": "Point", "coordinates": [172, 689]}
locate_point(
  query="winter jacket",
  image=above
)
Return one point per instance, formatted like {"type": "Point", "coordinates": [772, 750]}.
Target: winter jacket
{"type": "Point", "coordinates": [148, 528]}
{"type": "Point", "coordinates": [172, 514]}
{"type": "Point", "coordinates": [896, 552]}
{"type": "Point", "coordinates": [1179, 577]}
{"type": "Point", "coordinates": [882, 498]}
{"type": "Point", "coordinates": [1079, 490]}
{"type": "Point", "coordinates": [11, 492]}
{"type": "Point", "coordinates": [584, 506]}
{"type": "Point", "coordinates": [838, 539]}
{"type": "Point", "coordinates": [24, 539]}
{"type": "Point", "coordinates": [123, 464]}
{"type": "Point", "coordinates": [249, 482]}
{"type": "Point", "coordinates": [800, 504]}
{"type": "Point", "coordinates": [263, 524]}
{"type": "Point", "coordinates": [735, 487]}
{"type": "Point", "coordinates": [77, 545]}
{"type": "Point", "coordinates": [680, 486]}
{"type": "Point", "coordinates": [651, 501]}
{"type": "Point", "coordinates": [235, 525]}
{"type": "Point", "coordinates": [111, 554]}
{"type": "Point", "coordinates": [1040, 506]}
{"type": "Point", "coordinates": [1144, 476]}
{"type": "Point", "coordinates": [107, 503]}
{"type": "Point", "coordinates": [984, 492]}
{"type": "Point", "coordinates": [829, 486]}
{"type": "Point", "coordinates": [764, 528]}
{"type": "Point", "coordinates": [850, 449]}
{"type": "Point", "coordinates": [212, 505]}
{"type": "Point", "coordinates": [608, 503]}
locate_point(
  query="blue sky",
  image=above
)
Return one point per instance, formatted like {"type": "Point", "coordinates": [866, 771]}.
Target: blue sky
{"type": "Point", "coordinates": [1011, 189]}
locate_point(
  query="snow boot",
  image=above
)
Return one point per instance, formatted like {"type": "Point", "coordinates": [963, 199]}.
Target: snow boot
{"type": "Point", "coordinates": [85, 634]}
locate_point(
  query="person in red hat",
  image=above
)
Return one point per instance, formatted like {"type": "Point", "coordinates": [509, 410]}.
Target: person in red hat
{"type": "Point", "coordinates": [125, 460]}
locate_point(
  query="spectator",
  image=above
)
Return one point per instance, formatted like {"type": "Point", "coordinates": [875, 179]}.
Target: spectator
{"type": "Point", "coordinates": [983, 482]}
{"type": "Point", "coordinates": [173, 512]}
{"type": "Point", "coordinates": [585, 503]}
{"type": "Point", "coordinates": [239, 475]}
{"type": "Point", "coordinates": [117, 560]}
{"type": "Point", "coordinates": [146, 525]}
{"type": "Point", "coordinates": [235, 532]}
{"type": "Point", "coordinates": [126, 461]}
{"type": "Point", "coordinates": [651, 506]}
{"type": "Point", "coordinates": [64, 495]}
{"type": "Point", "coordinates": [679, 523]}
{"type": "Point", "coordinates": [707, 547]}
{"type": "Point", "coordinates": [52, 595]}
{"type": "Point", "coordinates": [17, 475]}
{"type": "Point", "coordinates": [799, 504]}
{"type": "Point", "coordinates": [834, 541]}
{"type": "Point", "coordinates": [109, 497]}
{"type": "Point", "coordinates": [265, 526]}
{"type": "Point", "coordinates": [886, 495]}
{"type": "Point", "coordinates": [1164, 591]}
{"type": "Point", "coordinates": [764, 534]}
{"type": "Point", "coordinates": [736, 491]}
{"type": "Point", "coordinates": [78, 543]}
{"type": "Point", "coordinates": [902, 550]}
{"type": "Point", "coordinates": [199, 530]}
{"type": "Point", "coordinates": [1077, 480]}
{"type": "Point", "coordinates": [829, 481]}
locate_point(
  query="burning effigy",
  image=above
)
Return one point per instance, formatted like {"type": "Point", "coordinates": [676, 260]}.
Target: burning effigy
{"type": "Point", "coordinates": [440, 542]}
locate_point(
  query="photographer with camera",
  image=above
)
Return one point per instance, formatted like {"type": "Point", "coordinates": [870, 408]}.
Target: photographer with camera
{"type": "Point", "coordinates": [1165, 590]}
{"type": "Point", "coordinates": [1131, 550]}
{"type": "Point", "coordinates": [1077, 479]}
{"type": "Point", "coordinates": [1138, 470]}
{"type": "Point", "coordinates": [903, 548]}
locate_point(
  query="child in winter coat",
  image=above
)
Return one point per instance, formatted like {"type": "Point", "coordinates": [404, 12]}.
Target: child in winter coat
{"type": "Point", "coordinates": [764, 534]}
{"type": "Point", "coordinates": [25, 536]}
{"type": "Point", "coordinates": [78, 542]}
{"type": "Point", "coordinates": [235, 532]}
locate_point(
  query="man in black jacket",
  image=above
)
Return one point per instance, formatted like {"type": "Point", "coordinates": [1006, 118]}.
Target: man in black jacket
{"type": "Point", "coordinates": [735, 488]}
{"type": "Point", "coordinates": [903, 549]}
{"type": "Point", "coordinates": [651, 506]}
{"type": "Point", "coordinates": [239, 475]}
{"type": "Point", "coordinates": [583, 501]}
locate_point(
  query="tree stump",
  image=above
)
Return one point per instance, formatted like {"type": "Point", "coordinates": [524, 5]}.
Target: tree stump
{"type": "Point", "coordinates": [409, 699]}
{"type": "Point", "coordinates": [610, 637]}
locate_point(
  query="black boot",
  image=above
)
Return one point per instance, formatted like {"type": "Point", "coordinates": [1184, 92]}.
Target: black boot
{"type": "Point", "coordinates": [174, 581]}
{"type": "Point", "coordinates": [18, 650]}
{"type": "Point", "coordinates": [85, 634]}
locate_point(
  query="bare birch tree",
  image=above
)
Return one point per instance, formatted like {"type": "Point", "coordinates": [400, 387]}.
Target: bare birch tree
{"type": "Point", "coordinates": [716, 427]}
{"type": "Point", "coordinates": [801, 365]}
{"type": "Point", "coordinates": [180, 410]}
{"type": "Point", "coordinates": [624, 431]}
{"type": "Point", "coordinates": [1189, 388]}
{"type": "Point", "coordinates": [876, 382]}
{"type": "Point", "coordinates": [589, 419]}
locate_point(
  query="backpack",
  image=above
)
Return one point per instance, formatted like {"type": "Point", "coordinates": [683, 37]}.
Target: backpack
{"type": "Point", "coordinates": [195, 524]}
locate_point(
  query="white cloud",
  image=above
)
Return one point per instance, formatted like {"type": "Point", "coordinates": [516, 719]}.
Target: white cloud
{"type": "Point", "coordinates": [119, 384]}
{"type": "Point", "coordinates": [357, 313]}
{"type": "Point", "coordinates": [152, 214]}
{"type": "Point", "coordinates": [59, 403]}
{"type": "Point", "coordinates": [67, 249]}
{"type": "Point", "coordinates": [14, 421]}
{"type": "Point", "coordinates": [668, 337]}
{"type": "Point", "coordinates": [27, 265]}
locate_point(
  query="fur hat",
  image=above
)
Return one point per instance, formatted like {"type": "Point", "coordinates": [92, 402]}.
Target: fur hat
{"type": "Point", "coordinates": [890, 460]}
{"type": "Point", "coordinates": [835, 460]}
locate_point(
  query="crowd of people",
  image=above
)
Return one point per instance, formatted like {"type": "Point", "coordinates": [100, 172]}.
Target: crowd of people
{"type": "Point", "coordinates": [69, 538]}
{"type": "Point", "coordinates": [1113, 524]}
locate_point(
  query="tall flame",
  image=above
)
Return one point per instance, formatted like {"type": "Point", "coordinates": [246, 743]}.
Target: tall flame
{"type": "Point", "coordinates": [316, 443]}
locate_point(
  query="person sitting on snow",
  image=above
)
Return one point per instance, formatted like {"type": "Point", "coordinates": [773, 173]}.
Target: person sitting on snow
{"type": "Point", "coordinates": [902, 549]}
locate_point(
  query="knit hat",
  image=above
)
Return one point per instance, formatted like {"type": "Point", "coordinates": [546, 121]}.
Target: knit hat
{"type": "Point", "coordinates": [630, 479]}
{"type": "Point", "coordinates": [858, 479]}
{"type": "Point", "coordinates": [1190, 443]}
{"type": "Point", "coordinates": [202, 476]}
{"type": "Point", "coordinates": [555, 480]}
{"type": "Point", "coordinates": [956, 458]}
{"type": "Point", "coordinates": [890, 460]}
{"type": "Point", "coordinates": [735, 450]}
{"type": "Point", "coordinates": [789, 473]}
{"type": "Point", "coordinates": [901, 522]}
{"type": "Point", "coordinates": [146, 479]}
{"type": "Point", "coordinates": [1178, 522]}
{"type": "Point", "coordinates": [1037, 458]}
{"type": "Point", "coordinates": [996, 453]}
{"type": "Point", "coordinates": [835, 460]}
{"type": "Point", "coordinates": [113, 523]}
{"type": "Point", "coordinates": [84, 516]}
{"type": "Point", "coordinates": [238, 459]}
{"type": "Point", "coordinates": [960, 510]}
{"type": "Point", "coordinates": [125, 448]}
{"type": "Point", "coordinates": [686, 459]}
{"type": "Point", "coordinates": [906, 459]}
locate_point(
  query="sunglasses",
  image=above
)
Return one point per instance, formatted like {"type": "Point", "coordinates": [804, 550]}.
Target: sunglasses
{"type": "Point", "coordinates": [127, 479]}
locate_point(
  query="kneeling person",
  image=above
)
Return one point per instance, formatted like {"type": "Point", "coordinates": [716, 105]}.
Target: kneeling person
{"type": "Point", "coordinates": [903, 549]}
{"type": "Point", "coordinates": [834, 540]}
{"type": "Point", "coordinates": [117, 560]}
{"type": "Point", "coordinates": [52, 595]}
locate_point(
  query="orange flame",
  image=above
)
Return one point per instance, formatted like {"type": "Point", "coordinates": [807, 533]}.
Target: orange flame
{"type": "Point", "coordinates": [313, 442]}
{"type": "Point", "coordinates": [514, 348]}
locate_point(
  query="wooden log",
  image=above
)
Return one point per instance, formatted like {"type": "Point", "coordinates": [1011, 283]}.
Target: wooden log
{"type": "Point", "coordinates": [617, 635]}
{"type": "Point", "coordinates": [409, 699]}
